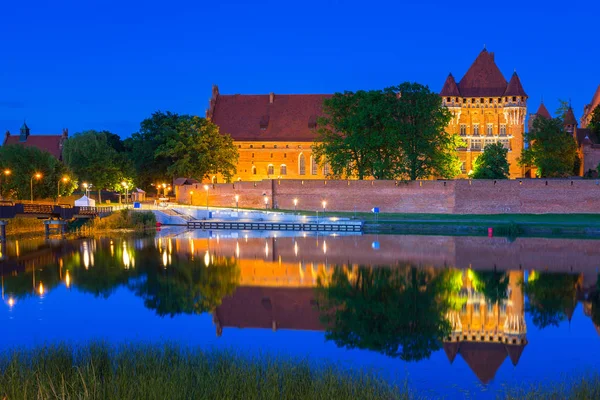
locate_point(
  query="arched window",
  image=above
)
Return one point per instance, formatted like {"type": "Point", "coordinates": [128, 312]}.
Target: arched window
{"type": "Point", "coordinates": [301, 164]}
{"type": "Point", "coordinates": [214, 179]}
{"type": "Point", "coordinates": [283, 169]}
{"type": "Point", "coordinates": [270, 170]}
{"type": "Point", "coordinates": [253, 170]}
{"type": "Point", "coordinates": [313, 165]}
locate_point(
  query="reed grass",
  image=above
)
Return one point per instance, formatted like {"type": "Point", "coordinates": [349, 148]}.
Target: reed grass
{"type": "Point", "coordinates": [100, 371]}
{"type": "Point", "coordinates": [123, 219]}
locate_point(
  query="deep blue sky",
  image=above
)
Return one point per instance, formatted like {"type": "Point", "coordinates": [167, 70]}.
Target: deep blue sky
{"type": "Point", "coordinates": [109, 64]}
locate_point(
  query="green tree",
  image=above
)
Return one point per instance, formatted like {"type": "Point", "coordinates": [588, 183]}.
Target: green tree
{"type": "Point", "coordinates": [152, 166]}
{"type": "Point", "coordinates": [594, 124]}
{"type": "Point", "coordinates": [492, 163]}
{"type": "Point", "coordinates": [393, 133]}
{"type": "Point", "coordinates": [93, 158]}
{"type": "Point", "coordinates": [492, 284]}
{"type": "Point", "coordinates": [398, 312]}
{"type": "Point", "coordinates": [552, 150]}
{"type": "Point", "coordinates": [199, 151]}
{"type": "Point", "coordinates": [552, 297]}
{"type": "Point", "coordinates": [24, 163]}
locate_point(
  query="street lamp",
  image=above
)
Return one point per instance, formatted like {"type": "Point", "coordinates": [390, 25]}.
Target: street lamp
{"type": "Point", "coordinates": [295, 204]}
{"type": "Point", "coordinates": [37, 175]}
{"type": "Point", "coordinates": [191, 195]}
{"type": "Point", "coordinates": [206, 188]}
{"type": "Point", "coordinates": [6, 173]}
{"type": "Point", "coordinates": [87, 186]}
{"type": "Point", "coordinates": [266, 199]}
{"type": "Point", "coordinates": [164, 185]}
{"type": "Point", "coordinates": [64, 179]}
{"type": "Point", "coordinates": [126, 186]}
{"type": "Point", "coordinates": [237, 199]}
{"type": "Point", "coordinates": [324, 204]}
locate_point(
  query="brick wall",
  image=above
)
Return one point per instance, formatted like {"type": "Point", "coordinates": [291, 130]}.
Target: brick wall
{"type": "Point", "coordinates": [459, 196]}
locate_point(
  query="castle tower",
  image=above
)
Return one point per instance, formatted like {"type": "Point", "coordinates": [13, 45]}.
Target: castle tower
{"type": "Point", "coordinates": [486, 109]}
{"type": "Point", "coordinates": [24, 132]}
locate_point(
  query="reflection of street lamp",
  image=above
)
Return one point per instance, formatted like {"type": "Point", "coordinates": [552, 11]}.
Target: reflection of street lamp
{"type": "Point", "coordinates": [65, 179]}
{"type": "Point", "coordinates": [206, 188]}
{"type": "Point", "coordinates": [37, 175]}
{"type": "Point", "coordinates": [6, 173]}
{"type": "Point", "coordinates": [237, 199]}
{"type": "Point", "coordinates": [164, 185]}
{"type": "Point", "coordinates": [191, 196]}
{"type": "Point", "coordinates": [295, 204]}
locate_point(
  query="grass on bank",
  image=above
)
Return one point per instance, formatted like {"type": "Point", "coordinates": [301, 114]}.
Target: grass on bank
{"type": "Point", "coordinates": [98, 371]}
{"type": "Point", "coordinates": [121, 220]}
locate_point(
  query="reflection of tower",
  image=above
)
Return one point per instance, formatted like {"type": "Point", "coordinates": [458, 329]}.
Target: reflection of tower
{"type": "Point", "coordinates": [484, 333]}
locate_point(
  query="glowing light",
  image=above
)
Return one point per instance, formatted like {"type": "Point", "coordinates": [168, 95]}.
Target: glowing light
{"type": "Point", "coordinates": [266, 249]}
{"type": "Point", "coordinates": [11, 302]}
{"type": "Point", "coordinates": [237, 249]}
{"type": "Point", "coordinates": [324, 203]}
{"type": "Point", "coordinates": [206, 187]}
{"type": "Point", "coordinates": [295, 202]}
{"type": "Point", "coordinates": [164, 258]}
{"type": "Point", "coordinates": [296, 248]}
{"type": "Point", "coordinates": [41, 289]}
{"type": "Point", "coordinates": [324, 247]}
{"type": "Point", "coordinates": [207, 258]}
{"type": "Point", "coordinates": [67, 280]}
{"type": "Point", "coordinates": [126, 256]}
{"type": "Point", "coordinates": [86, 255]}
{"type": "Point", "coordinates": [7, 172]}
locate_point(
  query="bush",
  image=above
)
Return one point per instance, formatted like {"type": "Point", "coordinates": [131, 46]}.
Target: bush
{"type": "Point", "coordinates": [124, 219]}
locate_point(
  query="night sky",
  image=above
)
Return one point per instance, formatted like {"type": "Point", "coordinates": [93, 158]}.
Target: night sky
{"type": "Point", "coordinates": [109, 64]}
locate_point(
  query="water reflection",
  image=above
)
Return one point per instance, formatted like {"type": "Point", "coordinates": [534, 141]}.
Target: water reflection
{"type": "Point", "coordinates": [406, 298]}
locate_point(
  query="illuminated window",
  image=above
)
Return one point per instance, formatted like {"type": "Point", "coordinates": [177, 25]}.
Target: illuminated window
{"type": "Point", "coordinates": [301, 164]}
{"type": "Point", "coordinates": [463, 167]}
{"type": "Point", "coordinates": [505, 143]}
{"type": "Point", "coordinates": [490, 129]}
{"type": "Point", "coordinates": [463, 130]}
{"type": "Point", "coordinates": [283, 169]}
{"type": "Point", "coordinates": [476, 144]}
{"type": "Point", "coordinates": [326, 169]}
{"type": "Point", "coordinates": [270, 169]}
{"type": "Point", "coordinates": [475, 129]}
{"type": "Point", "coordinates": [313, 165]}
{"type": "Point", "coordinates": [503, 130]}
{"type": "Point", "coordinates": [253, 170]}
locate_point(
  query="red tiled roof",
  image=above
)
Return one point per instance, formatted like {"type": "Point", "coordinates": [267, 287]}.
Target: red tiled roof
{"type": "Point", "coordinates": [286, 119]}
{"type": "Point", "coordinates": [483, 79]}
{"type": "Point", "coordinates": [484, 359]}
{"type": "Point", "coordinates": [450, 88]}
{"type": "Point", "coordinates": [514, 86]}
{"type": "Point", "coordinates": [262, 307]}
{"type": "Point", "coordinates": [49, 143]}
{"type": "Point", "coordinates": [451, 350]}
{"type": "Point", "coordinates": [569, 117]}
{"type": "Point", "coordinates": [514, 352]}
{"type": "Point", "coordinates": [543, 112]}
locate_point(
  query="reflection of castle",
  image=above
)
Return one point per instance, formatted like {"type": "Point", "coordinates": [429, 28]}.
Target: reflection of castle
{"type": "Point", "coordinates": [484, 333]}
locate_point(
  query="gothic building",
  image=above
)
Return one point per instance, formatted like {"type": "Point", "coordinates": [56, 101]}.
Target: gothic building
{"type": "Point", "coordinates": [486, 109]}
{"type": "Point", "coordinates": [52, 144]}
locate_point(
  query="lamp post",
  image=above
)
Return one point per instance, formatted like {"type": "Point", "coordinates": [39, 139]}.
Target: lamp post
{"type": "Point", "coordinates": [6, 173]}
{"type": "Point", "coordinates": [87, 187]}
{"type": "Point", "coordinates": [266, 200]}
{"type": "Point", "coordinates": [64, 179]}
{"type": "Point", "coordinates": [206, 189]}
{"type": "Point", "coordinates": [191, 195]}
{"type": "Point", "coordinates": [295, 204]}
{"type": "Point", "coordinates": [126, 186]}
{"type": "Point", "coordinates": [164, 185]}
{"type": "Point", "coordinates": [324, 204]}
{"type": "Point", "coordinates": [237, 199]}
{"type": "Point", "coordinates": [37, 175]}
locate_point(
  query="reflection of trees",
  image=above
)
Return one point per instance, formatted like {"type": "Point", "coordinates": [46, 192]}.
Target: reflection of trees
{"type": "Point", "coordinates": [103, 278]}
{"type": "Point", "coordinates": [493, 285]}
{"type": "Point", "coordinates": [186, 286]}
{"type": "Point", "coordinates": [22, 285]}
{"type": "Point", "coordinates": [551, 297]}
{"type": "Point", "coordinates": [399, 312]}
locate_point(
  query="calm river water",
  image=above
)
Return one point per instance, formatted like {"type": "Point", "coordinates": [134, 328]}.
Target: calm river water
{"type": "Point", "coordinates": [452, 315]}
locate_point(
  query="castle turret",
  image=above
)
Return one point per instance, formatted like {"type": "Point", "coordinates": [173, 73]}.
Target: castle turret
{"type": "Point", "coordinates": [24, 132]}
{"type": "Point", "coordinates": [569, 121]}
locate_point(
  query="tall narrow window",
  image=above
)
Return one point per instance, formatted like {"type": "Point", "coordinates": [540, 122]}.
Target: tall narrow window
{"type": "Point", "coordinates": [463, 167]}
{"type": "Point", "coordinates": [313, 165]}
{"type": "Point", "coordinates": [490, 129]}
{"type": "Point", "coordinates": [301, 164]}
{"type": "Point", "coordinates": [463, 130]}
{"type": "Point", "coordinates": [503, 130]}
{"type": "Point", "coordinates": [283, 169]}
{"type": "Point", "coordinates": [270, 169]}
{"type": "Point", "coordinates": [476, 144]}
{"type": "Point", "coordinates": [253, 170]}
{"type": "Point", "coordinates": [475, 129]}
{"type": "Point", "coordinates": [326, 169]}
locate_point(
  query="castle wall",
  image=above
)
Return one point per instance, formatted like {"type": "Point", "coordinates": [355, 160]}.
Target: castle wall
{"type": "Point", "coordinates": [535, 196]}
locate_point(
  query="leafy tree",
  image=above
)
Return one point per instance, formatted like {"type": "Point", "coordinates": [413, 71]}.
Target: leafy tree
{"type": "Point", "coordinates": [152, 166]}
{"type": "Point", "coordinates": [492, 284]}
{"type": "Point", "coordinates": [199, 151]}
{"type": "Point", "coordinates": [398, 312]}
{"type": "Point", "coordinates": [562, 108]}
{"type": "Point", "coordinates": [552, 297]}
{"type": "Point", "coordinates": [492, 163]}
{"type": "Point", "coordinates": [551, 149]}
{"type": "Point", "coordinates": [24, 163]}
{"type": "Point", "coordinates": [93, 157]}
{"type": "Point", "coordinates": [393, 133]}
{"type": "Point", "coordinates": [594, 124]}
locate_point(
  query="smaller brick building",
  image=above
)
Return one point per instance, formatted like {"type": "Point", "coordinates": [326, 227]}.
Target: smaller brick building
{"type": "Point", "coordinates": [52, 144]}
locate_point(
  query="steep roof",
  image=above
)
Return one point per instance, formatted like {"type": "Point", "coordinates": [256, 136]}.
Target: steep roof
{"type": "Point", "coordinates": [256, 118]}
{"type": "Point", "coordinates": [583, 133]}
{"type": "Point", "coordinates": [543, 111]}
{"type": "Point", "coordinates": [484, 359]}
{"type": "Point", "coordinates": [50, 143]}
{"type": "Point", "coordinates": [269, 307]}
{"type": "Point", "coordinates": [483, 79]}
{"type": "Point", "coordinates": [450, 88]}
{"type": "Point", "coordinates": [514, 352]}
{"type": "Point", "coordinates": [514, 86]}
{"type": "Point", "coordinates": [569, 117]}
{"type": "Point", "coordinates": [451, 350]}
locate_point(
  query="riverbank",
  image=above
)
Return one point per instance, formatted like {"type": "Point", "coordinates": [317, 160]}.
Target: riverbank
{"type": "Point", "coordinates": [168, 371]}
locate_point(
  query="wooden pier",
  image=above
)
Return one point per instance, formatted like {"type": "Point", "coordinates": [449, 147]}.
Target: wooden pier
{"type": "Point", "coordinates": [275, 226]}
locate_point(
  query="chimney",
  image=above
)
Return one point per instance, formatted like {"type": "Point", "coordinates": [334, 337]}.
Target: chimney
{"type": "Point", "coordinates": [271, 97]}
{"type": "Point", "coordinates": [65, 132]}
